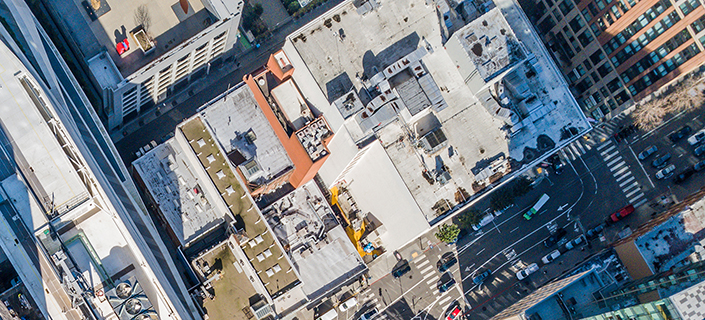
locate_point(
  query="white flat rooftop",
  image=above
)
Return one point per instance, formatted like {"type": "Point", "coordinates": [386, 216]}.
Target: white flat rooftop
{"type": "Point", "coordinates": [189, 211]}
{"type": "Point", "coordinates": [472, 148]}
{"type": "Point", "coordinates": [34, 146]}
{"type": "Point", "coordinates": [319, 247]}
{"type": "Point", "coordinates": [240, 125]}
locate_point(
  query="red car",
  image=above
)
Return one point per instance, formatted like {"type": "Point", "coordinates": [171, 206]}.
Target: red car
{"type": "Point", "coordinates": [619, 215]}
{"type": "Point", "coordinates": [455, 314]}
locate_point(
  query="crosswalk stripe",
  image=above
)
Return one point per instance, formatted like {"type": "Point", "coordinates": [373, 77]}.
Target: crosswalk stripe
{"type": "Point", "coordinates": [426, 269]}
{"type": "Point", "coordinates": [574, 148]}
{"type": "Point", "coordinates": [609, 156]}
{"type": "Point", "coordinates": [604, 145]}
{"type": "Point", "coordinates": [608, 150]}
{"type": "Point", "coordinates": [633, 192]}
{"type": "Point", "coordinates": [422, 263]}
{"type": "Point", "coordinates": [569, 154]}
{"type": "Point", "coordinates": [433, 279]}
{"type": "Point", "coordinates": [444, 300]}
{"type": "Point", "coordinates": [618, 167]}
{"type": "Point", "coordinates": [614, 160]}
{"type": "Point", "coordinates": [629, 174]}
{"type": "Point", "coordinates": [621, 171]}
{"type": "Point", "coordinates": [630, 186]}
{"type": "Point", "coordinates": [580, 146]}
{"type": "Point", "coordinates": [626, 181]}
{"type": "Point", "coordinates": [636, 205]}
{"type": "Point", "coordinates": [637, 197]}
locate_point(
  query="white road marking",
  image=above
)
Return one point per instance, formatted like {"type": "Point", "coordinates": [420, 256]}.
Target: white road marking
{"type": "Point", "coordinates": [614, 160]}
{"type": "Point", "coordinates": [638, 196]}
{"type": "Point", "coordinates": [604, 145]}
{"type": "Point", "coordinates": [619, 165]}
{"type": "Point", "coordinates": [630, 186]}
{"type": "Point", "coordinates": [621, 171]}
{"type": "Point", "coordinates": [624, 176]}
{"type": "Point", "coordinates": [640, 202]}
{"type": "Point", "coordinates": [483, 249]}
{"type": "Point", "coordinates": [422, 263]}
{"type": "Point", "coordinates": [515, 229]}
{"type": "Point", "coordinates": [607, 157]}
{"type": "Point", "coordinates": [633, 192]}
{"type": "Point", "coordinates": [433, 280]}
{"type": "Point", "coordinates": [444, 300]}
{"type": "Point", "coordinates": [608, 150]}
{"type": "Point", "coordinates": [626, 181]}
{"type": "Point", "coordinates": [427, 269]}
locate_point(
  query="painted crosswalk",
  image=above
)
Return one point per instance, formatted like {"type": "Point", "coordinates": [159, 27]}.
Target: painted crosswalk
{"type": "Point", "coordinates": [596, 137]}
{"type": "Point", "coordinates": [621, 171]}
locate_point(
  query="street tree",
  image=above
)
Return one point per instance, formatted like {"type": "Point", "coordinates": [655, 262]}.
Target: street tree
{"type": "Point", "coordinates": [448, 233]}
{"type": "Point", "coordinates": [469, 218]}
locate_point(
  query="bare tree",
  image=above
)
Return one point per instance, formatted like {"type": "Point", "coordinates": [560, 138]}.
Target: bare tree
{"type": "Point", "coordinates": [142, 17]}
{"type": "Point", "coordinates": [678, 97]}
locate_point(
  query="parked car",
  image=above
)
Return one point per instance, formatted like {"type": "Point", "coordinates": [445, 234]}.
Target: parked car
{"type": "Point", "coordinates": [455, 313]}
{"type": "Point", "coordinates": [680, 134]}
{"type": "Point", "coordinates": [480, 278]}
{"type": "Point", "coordinates": [447, 261]}
{"type": "Point", "coordinates": [347, 304]}
{"type": "Point", "coordinates": [401, 269]}
{"type": "Point", "coordinates": [681, 177]}
{"type": "Point", "coordinates": [574, 243]}
{"type": "Point", "coordinates": [647, 152]}
{"type": "Point", "coordinates": [666, 172]}
{"type": "Point", "coordinates": [369, 314]}
{"type": "Point", "coordinates": [551, 256]}
{"type": "Point", "coordinates": [447, 283]}
{"type": "Point", "coordinates": [699, 166]}
{"type": "Point", "coordinates": [699, 151]}
{"type": "Point", "coordinates": [698, 137]}
{"type": "Point", "coordinates": [521, 275]}
{"type": "Point", "coordinates": [621, 213]}
{"type": "Point", "coordinates": [594, 232]}
{"type": "Point", "coordinates": [552, 239]}
{"type": "Point", "coordinates": [485, 221]}
{"type": "Point", "coordinates": [661, 161]}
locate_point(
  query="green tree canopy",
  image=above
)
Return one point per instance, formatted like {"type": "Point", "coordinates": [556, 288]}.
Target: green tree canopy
{"type": "Point", "coordinates": [447, 233]}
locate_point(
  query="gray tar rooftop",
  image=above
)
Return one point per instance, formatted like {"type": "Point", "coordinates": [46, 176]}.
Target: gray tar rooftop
{"type": "Point", "coordinates": [317, 245]}
{"type": "Point", "coordinates": [421, 102]}
{"type": "Point", "coordinates": [101, 28]}
{"type": "Point", "coordinates": [244, 134]}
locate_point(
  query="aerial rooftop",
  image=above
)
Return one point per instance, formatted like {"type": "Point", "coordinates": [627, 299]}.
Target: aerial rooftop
{"type": "Point", "coordinates": [318, 246]}
{"type": "Point", "coordinates": [447, 138]}
{"type": "Point", "coordinates": [246, 135]}
{"type": "Point", "coordinates": [178, 192]}
{"type": "Point", "coordinates": [102, 24]}
{"type": "Point", "coordinates": [490, 44]}
{"type": "Point", "coordinates": [261, 247]}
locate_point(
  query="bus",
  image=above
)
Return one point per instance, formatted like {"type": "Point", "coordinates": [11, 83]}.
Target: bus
{"type": "Point", "coordinates": [544, 198]}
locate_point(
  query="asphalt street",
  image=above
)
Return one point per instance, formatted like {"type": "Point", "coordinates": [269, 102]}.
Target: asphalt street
{"type": "Point", "coordinates": [601, 176]}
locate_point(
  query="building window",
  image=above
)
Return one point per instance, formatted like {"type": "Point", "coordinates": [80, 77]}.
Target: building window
{"type": "Point", "coordinates": [614, 85]}
{"type": "Point", "coordinates": [557, 14]}
{"type": "Point", "coordinates": [576, 24]}
{"type": "Point", "coordinates": [547, 24]}
{"type": "Point", "coordinates": [595, 77]}
{"type": "Point", "coordinates": [597, 57]}
{"type": "Point", "coordinates": [586, 14]}
{"type": "Point", "coordinates": [655, 56]}
{"type": "Point", "coordinates": [616, 12]}
{"type": "Point", "coordinates": [688, 6]}
{"type": "Point", "coordinates": [575, 44]}
{"type": "Point", "coordinates": [621, 97]}
{"type": "Point", "coordinates": [638, 24]}
{"type": "Point", "coordinates": [698, 25]}
{"type": "Point", "coordinates": [648, 36]}
{"type": "Point", "coordinates": [663, 69]}
{"type": "Point", "coordinates": [566, 6]}
{"type": "Point", "coordinates": [604, 69]}
{"type": "Point", "coordinates": [583, 86]}
{"type": "Point", "coordinates": [585, 38]}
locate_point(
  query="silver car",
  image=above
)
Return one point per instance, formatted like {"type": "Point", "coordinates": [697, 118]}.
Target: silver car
{"type": "Point", "coordinates": [551, 256]}
{"type": "Point", "coordinates": [521, 275]}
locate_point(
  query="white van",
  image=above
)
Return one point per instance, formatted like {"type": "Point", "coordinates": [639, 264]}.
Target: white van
{"type": "Point", "coordinates": [485, 221]}
{"type": "Point", "coordinates": [330, 315]}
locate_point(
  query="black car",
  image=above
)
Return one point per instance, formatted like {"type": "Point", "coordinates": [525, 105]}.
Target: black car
{"type": "Point", "coordinates": [661, 161]}
{"type": "Point", "coordinates": [594, 232]}
{"type": "Point", "coordinates": [681, 177]}
{"type": "Point", "coordinates": [680, 134]}
{"type": "Point", "coordinates": [554, 238]}
{"type": "Point", "coordinates": [447, 283]}
{"type": "Point", "coordinates": [447, 261]}
{"type": "Point", "coordinates": [401, 270]}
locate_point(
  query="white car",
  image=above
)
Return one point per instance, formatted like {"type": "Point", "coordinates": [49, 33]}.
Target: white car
{"type": "Point", "coordinates": [666, 172]}
{"type": "Point", "coordinates": [551, 256]}
{"type": "Point", "coordinates": [521, 275]}
{"type": "Point", "coordinates": [369, 314]}
{"type": "Point", "coordinates": [347, 304]}
{"type": "Point", "coordinates": [697, 138]}
{"type": "Point", "coordinates": [485, 221]}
